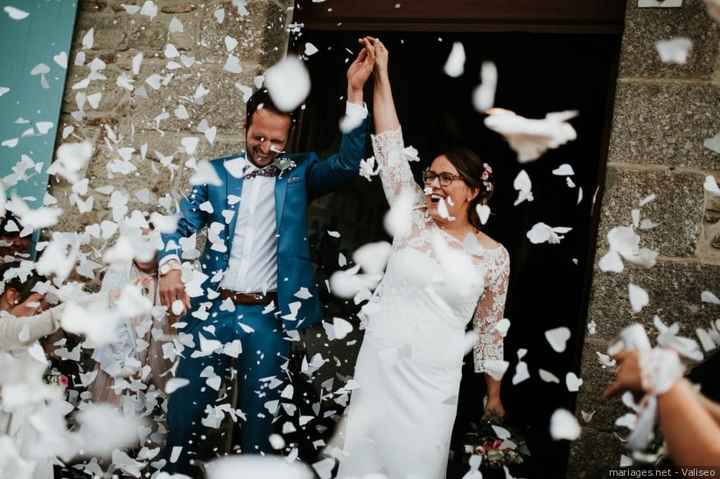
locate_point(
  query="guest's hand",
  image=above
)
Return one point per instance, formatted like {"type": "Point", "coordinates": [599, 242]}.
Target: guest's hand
{"type": "Point", "coordinates": [34, 304]}
{"type": "Point", "coordinates": [627, 374]}
{"type": "Point", "coordinates": [172, 288]}
{"type": "Point", "coordinates": [359, 71]}
{"type": "Point", "coordinates": [494, 407]}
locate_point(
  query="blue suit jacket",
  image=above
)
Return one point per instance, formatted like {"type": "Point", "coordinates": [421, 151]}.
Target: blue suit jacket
{"type": "Point", "coordinates": [310, 178]}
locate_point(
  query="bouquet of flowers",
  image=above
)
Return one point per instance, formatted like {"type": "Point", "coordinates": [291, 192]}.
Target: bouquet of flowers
{"type": "Point", "coordinates": [54, 377]}
{"type": "Point", "coordinates": [498, 444]}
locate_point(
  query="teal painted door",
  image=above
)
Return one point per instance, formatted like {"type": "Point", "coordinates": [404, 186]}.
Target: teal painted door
{"type": "Point", "coordinates": [35, 37]}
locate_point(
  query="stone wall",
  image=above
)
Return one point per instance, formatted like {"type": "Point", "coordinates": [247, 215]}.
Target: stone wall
{"type": "Point", "coordinates": [132, 119]}
{"type": "Point", "coordinates": [663, 113]}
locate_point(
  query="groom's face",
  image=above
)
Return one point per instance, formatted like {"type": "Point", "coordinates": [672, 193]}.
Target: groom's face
{"type": "Point", "coordinates": [266, 136]}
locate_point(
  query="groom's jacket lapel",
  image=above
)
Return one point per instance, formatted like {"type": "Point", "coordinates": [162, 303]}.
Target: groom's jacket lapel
{"type": "Point", "coordinates": [233, 186]}
{"type": "Point", "coordinates": [280, 192]}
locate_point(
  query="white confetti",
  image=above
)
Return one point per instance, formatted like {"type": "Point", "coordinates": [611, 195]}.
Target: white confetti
{"type": "Point", "coordinates": [398, 221]}
{"type": "Point", "coordinates": [137, 63]}
{"type": "Point", "coordinates": [310, 49]}
{"type": "Point", "coordinates": [61, 59]}
{"type": "Point", "coordinates": [16, 13]}
{"type": "Point", "coordinates": [373, 257]}
{"type": "Point", "coordinates": [232, 65]}
{"type": "Point", "coordinates": [288, 82]}
{"type": "Point", "coordinates": [42, 217]}
{"type": "Point", "coordinates": [205, 174]}
{"type": "Point", "coordinates": [573, 382]}
{"type": "Point", "coordinates": [154, 81]}
{"type": "Point", "coordinates": [177, 307]}
{"type": "Point", "coordinates": [40, 69]}
{"type": "Point", "coordinates": [149, 9]}
{"type": "Point", "coordinates": [176, 26]}
{"type": "Point", "coordinates": [484, 93]}
{"type": "Point", "coordinates": [104, 428]}
{"type": "Point", "coordinates": [563, 425]}
{"type": "Point", "coordinates": [558, 338]}
{"type": "Point", "coordinates": [638, 297]}
{"type": "Point", "coordinates": [190, 144]}
{"type": "Point", "coordinates": [675, 50]}
{"type": "Point", "coordinates": [563, 170]}
{"type": "Point", "coordinates": [521, 373]}
{"type": "Point", "coordinates": [341, 328]}
{"type": "Point", "coordinates": [230, 43]}
{"type": "Point", "coordinates": [173, 384]}
{"type": "Point", "coordinates": [94, 100]}
{"type": "Point", "coordinates": [587, 416]}
{"type": "Point", "coordinates": [483, 212]}
{"type": "Point", "coordinates": [711, 186]}
{"type": "Point", "coordinates": [709, 297]}
{"type": "Point", "coordinates": [347, 283]}
{"type": "Point", "coordinates": [503, 326]}
{"type": "Point", "coordinates": [250, 466]}
{"type": "Point", "coordinates": [455, 63]}
{"type": "Point", "coordinates": [542, 233]}
{"type": "Point", "coordinates": [219, 15]}
{"type": "Point", "coordinates": [170, 51]}
{"type": "Point", "coordinates": [713, 143]}
{"type": "Point", "coordinates": [523, 185]}
{"type": "Point", "coordinates": [531, 138]}
{"type": "Point", "coordinates": [647, 200]}
{"type": "Point", "coordinates": [88, 39]}
{"type": "Point", "coordinates": [548, 377]}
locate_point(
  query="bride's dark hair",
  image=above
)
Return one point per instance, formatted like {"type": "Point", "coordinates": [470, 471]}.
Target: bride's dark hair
{"type": "Point", "coordinates": [476, 174]}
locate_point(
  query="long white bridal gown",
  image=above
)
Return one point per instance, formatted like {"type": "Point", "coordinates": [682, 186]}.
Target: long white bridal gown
{"type": "Point", "coordinates": [401, 415]}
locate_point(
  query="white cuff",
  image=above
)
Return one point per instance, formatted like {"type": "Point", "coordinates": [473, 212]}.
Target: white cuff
{"type": "Point", "coordinates": [167, 259]}
{"type": "Point", "coordinates": [660, 369]}
{"type": "Point", "coordinates": [356, 111]}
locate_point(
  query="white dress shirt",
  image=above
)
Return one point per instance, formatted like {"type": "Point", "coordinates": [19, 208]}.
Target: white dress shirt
{"type": "Point", "coordinates": [253, 257]}
{"type": "Point", "coordinates": [252, 264]}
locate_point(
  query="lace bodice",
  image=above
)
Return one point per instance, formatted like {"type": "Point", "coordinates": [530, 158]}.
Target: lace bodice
{"type": "Point", "coordinates": [458, 280]}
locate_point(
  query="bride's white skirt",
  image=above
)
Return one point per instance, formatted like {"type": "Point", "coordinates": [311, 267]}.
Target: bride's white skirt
{"type": "Point", "coordinates": [401, 416]}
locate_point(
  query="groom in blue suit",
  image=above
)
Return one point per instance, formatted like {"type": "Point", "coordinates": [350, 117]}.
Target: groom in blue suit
{"type": "Point", "coordinates": [258, 286]}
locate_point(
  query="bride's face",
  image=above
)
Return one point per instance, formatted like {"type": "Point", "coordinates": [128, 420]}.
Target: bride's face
{"type": "Point", "coordinates": [447, 196]}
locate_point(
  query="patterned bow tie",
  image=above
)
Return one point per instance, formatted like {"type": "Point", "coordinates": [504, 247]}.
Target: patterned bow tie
{"type": "Point", "coordinates": [270, 171]}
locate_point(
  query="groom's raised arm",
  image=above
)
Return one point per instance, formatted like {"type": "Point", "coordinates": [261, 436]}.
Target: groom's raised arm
{"type": "Point", "coordinates": [329, 174]}
{"type": "Point", "coordinates": [325, 176]}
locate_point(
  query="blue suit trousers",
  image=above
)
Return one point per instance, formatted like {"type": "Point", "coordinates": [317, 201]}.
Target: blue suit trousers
{"type": "Point", "coordinates": [264, 351]}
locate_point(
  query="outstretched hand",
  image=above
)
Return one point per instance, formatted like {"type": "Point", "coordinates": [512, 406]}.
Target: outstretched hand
{"type": "Point", "coordinates": [361, 69]}
{"type": "Point", "coordinates": [381, 53]}
{"type": "Point", "coordinates": [34, 304]}
{"type": "Point", "coordinates": [627, 374]}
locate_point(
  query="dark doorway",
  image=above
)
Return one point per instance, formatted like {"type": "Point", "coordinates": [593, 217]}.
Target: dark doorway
{"type": "Point", "coordinates": [550, 283]}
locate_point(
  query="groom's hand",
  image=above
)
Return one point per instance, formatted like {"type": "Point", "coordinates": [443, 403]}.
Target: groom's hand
{"type": "Point", "coordinates": [172, 289]}
{"type": "Point", "coordinates": [359, 71]}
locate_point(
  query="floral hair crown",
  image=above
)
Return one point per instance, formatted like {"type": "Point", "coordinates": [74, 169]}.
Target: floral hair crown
{"type": "Point", "coordinates": [486, 177]}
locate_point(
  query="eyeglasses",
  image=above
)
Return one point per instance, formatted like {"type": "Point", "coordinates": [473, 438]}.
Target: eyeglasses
{"type": "Point", "coordinates": [444, 178]}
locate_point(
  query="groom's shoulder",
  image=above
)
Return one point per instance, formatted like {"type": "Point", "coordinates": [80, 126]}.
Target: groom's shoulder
{"type": "Point", "coordinates": [303, 157]}
{"type": "Point", "coordinates": [218, 162]}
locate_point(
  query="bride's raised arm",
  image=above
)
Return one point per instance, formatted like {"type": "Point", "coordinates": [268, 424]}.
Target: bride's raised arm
{"type": "Point", "coordinates": [387, 142]}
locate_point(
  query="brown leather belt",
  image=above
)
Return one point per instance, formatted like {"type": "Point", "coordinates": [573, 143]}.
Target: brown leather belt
{"type": "Point", "coordinates": [248, 298]}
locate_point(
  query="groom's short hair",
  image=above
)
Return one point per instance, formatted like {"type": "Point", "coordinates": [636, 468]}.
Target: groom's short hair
{"type": "Point", "coordinates": [261, 99]}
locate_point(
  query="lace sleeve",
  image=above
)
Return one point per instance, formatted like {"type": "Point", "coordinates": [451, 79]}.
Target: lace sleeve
{"type": "Point", "coordinates": [489, 313]}
{"type": "Point", "coordinates": [395, 172]}
{"type": "Point", "coordinates": [19, 332]}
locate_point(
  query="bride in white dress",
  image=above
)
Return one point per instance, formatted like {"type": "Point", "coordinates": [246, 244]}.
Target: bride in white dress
{"type": "Point", "coordinates": [443, 272]}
